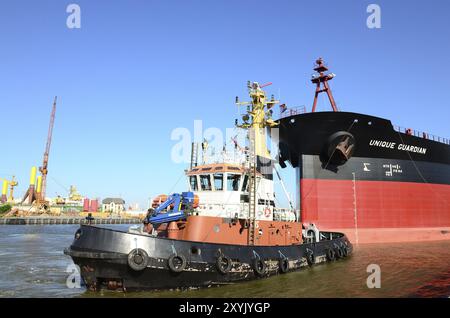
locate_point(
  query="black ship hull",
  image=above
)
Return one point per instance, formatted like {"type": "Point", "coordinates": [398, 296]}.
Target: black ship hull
{"type": "Point", "coordinates": [311, 134]}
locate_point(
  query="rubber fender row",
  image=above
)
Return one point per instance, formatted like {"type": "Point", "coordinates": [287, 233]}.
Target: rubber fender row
{"type": "Point", "coordinates": [138, 260]}
{"type": "Point", "coordinates": [259, 266]}
{"type": "Point", "coordinates": [337, 252]}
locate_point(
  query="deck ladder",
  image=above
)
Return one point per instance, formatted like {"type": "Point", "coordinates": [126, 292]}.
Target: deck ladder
{"type": "Point", "coordinates": [252, 179]}
{"type": "Point", "coordinates": [194, 155]}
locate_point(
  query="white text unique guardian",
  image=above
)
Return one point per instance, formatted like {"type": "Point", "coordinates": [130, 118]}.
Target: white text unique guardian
{"type": "Point", "coordinates": [393, 145]}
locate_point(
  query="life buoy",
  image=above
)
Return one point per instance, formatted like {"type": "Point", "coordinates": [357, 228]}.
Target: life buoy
{"type": "Point", "coordinates": [177, 263]}
{"type": "Point", "coordinates": [331, 255]}
{"type": "Point", "coordinates": [223, 264]}
{"type": "Point", "coordinates": [310, 258]}
{"type": "Point", "coordinates": [283, 265]}
{"type": "Point", "coordinates": [267, 212]}
{"type": "Point", "coordinates": [138, 259]}
{"type": "Point", "coordinates": [259, 267]}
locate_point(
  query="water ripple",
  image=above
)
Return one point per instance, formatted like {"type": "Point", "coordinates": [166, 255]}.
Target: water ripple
{"type": "Point", "coordinates": [32, 265]}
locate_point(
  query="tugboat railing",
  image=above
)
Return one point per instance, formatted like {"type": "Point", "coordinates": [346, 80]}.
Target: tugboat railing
{"type": "Point", "coordinates": [421, 134]}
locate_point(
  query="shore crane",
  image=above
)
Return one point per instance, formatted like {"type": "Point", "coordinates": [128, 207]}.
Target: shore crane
{"type": "Point", "coordinates": [44, 168]}
{"type": "Point", "coordinates": [39, 195]}
{"type": "Point", "coordinates": [11, 183]}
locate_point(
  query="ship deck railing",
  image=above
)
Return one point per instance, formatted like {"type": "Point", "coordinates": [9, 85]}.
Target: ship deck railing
{"type": "Point", "coordinates": [288, 112]}
{"type": "Point", "coordinates": [421, 134]}
{"type": "Point", "coordinates": [292, 111]}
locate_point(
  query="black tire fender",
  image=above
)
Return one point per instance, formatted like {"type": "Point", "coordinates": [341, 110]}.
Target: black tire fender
{"type": "Point", "coordinates": [259, 267]}
{"type": "Point", "coordinates": [339, 252]}
{"type": "Point", "coordinates": [344, 251]}
{"type": "Point", "coordinates": [283, 265]}
{"type": "Point", "coordinates": [223, 264]}
{"type": "Point", "coordinates": [310, 258]}
{"type": "Point", "coordinates": [177, 263]}
{"type": "Point", "coordinates": [138, 259]}
{"type": "Point", "coordinates": [331, 254]}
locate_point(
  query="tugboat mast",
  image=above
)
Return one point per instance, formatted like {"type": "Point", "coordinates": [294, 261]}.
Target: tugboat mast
{"type": "Point", "coordinates": [257, 119]}
{"type": "Point", "coordinates": [322, 77]}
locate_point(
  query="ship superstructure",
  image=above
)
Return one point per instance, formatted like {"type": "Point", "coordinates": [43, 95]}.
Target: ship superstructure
{"type": "Point", "coordinates": [224, 187]}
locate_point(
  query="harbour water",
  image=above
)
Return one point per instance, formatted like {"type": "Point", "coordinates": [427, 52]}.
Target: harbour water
{"type": "Point", "coordinates": [32, 264]}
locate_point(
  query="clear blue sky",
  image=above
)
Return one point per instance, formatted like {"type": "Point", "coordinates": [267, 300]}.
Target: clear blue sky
{"type": "Point", "coordinates": [138, 69]}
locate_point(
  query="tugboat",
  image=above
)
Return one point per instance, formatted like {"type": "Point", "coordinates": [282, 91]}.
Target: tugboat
{"type": "Point", "coordinates": [225, 229]}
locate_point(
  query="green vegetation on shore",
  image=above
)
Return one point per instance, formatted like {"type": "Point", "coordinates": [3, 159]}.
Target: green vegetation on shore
{"type": "Point", "coordinates": [5, 208]}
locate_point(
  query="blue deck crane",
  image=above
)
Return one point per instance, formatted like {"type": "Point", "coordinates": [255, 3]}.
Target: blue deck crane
{"type": "Point", "coordinates": [181, 204]}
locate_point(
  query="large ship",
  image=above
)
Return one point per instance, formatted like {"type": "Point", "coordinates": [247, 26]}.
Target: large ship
{"type": "Point", "coordinates": [363, 176]}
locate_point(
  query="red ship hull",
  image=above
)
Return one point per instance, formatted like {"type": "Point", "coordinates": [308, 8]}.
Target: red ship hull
{"type": "Point", "coordinates": [378, 211]}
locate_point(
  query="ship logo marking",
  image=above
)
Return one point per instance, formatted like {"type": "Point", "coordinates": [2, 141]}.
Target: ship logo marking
{"type": "Point", "coordinates": [366, 166]}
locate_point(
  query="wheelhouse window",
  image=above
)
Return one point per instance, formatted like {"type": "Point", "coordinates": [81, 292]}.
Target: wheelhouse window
{"type": "Point", "coordinates": [193, 182]}
{"type": "Point", "coordinates": [245, 184]}
{"type": "Point", "coordinates": [233, 182]}
{"type": "Point", "coordinates": [205, 182]}
{"type": "Point", "coordinates": [218, 181]}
